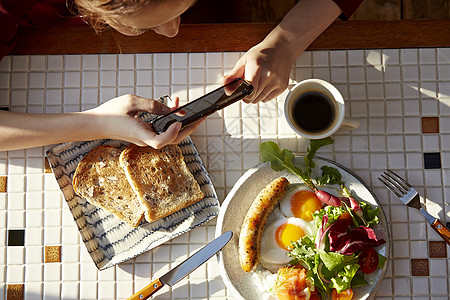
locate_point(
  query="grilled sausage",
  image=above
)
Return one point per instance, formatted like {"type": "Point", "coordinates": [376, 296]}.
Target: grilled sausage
{"type": "Point", "coordinates": [255, 222]}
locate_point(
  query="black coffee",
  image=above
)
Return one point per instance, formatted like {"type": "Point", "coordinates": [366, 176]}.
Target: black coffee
{"type": "Point", "coordinates": [313, 111]}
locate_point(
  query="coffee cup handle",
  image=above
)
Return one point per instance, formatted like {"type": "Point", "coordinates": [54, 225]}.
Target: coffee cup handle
{"type": "Point", "coordinates": [350, 124]}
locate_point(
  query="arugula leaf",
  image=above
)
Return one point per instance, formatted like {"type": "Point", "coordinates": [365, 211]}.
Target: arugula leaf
{"type": "Point", "coordinates": [281, 160]}
{"type": "Point", "coordinates": [272, 153]}
{"type": "Point", "coordinates": [284, 159]}
{"type": "Point", "coordinates": [330, 175]}
{"type": "Point", "coordinates": [314, 145]}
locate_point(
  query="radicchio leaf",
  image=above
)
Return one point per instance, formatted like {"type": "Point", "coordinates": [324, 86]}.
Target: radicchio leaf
{"type": "Point", "coordinates": [359, 238]}
{"type": "Point", "coordinates": [337, 231]}
{"type": "Point", "coordinates": [322, 233]}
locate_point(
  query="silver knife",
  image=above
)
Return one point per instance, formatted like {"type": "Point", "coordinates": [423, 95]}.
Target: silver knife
{"type": "Point", "coordinates": [186, 267]}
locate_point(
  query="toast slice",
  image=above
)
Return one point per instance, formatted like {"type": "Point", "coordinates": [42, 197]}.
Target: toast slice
{"type": "Point", "coordinates": [101, 180]}
{"type": "Point", "coordinates": [161, 179]}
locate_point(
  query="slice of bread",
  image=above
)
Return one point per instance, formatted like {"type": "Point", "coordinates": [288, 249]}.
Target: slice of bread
{"type": "Point", "coordinates": [100, 179]}
{"type": "Point", "coordinates": [161, 179]}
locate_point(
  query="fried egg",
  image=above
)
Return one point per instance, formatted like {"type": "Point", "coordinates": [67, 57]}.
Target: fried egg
{"type": "Point", "coordinates": [290, 221]}
{"type": "Point", "coordinates": [279, 235]}
{"type": "Point", "coordinates": [300, 202]}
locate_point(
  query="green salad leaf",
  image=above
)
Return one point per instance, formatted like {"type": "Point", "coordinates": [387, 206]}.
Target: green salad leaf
{"type": "Point", "coordinates": [284, 159]}
{"type": "Point", "coordinates": [381, 260]}
{"type": "Point", "coordinates": [332, 176]}
{"type": "Point", "coordinates": [319, 284]}
{"type": "Point", "coordinates": [344, 277]}
{"type": "Point", "coordinates": [335, 268]}
{"type": "Point", "coordinates": [281, 160]}
{"type": "Point", "coordinates": [314, 146]}
{"type": "Point", "coordinates": [370, 215]}
{"type": "Point", "coordinates": [334, 261]}
{"type": "Point", "coordinates": [333, 213]}
{"type": "Point", "coordinates": [304, 250]}
{"type": "Point", "coordinates": [358, 280]}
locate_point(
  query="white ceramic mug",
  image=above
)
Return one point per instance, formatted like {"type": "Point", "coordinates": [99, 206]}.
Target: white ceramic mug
{"type": "Point", "coordinates": [336, 104]}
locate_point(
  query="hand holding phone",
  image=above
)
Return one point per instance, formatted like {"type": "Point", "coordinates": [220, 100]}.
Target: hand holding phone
{"type": "Point", "coordinates": [205, 105]}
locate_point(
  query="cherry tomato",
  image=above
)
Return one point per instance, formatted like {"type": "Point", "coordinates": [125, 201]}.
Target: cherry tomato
{"type": "Point", "coordinates": [368, 260]}
{"type": "Point", "coordinates": [345, 216]}
{"type": "Point", "coordinates": [344, 295]}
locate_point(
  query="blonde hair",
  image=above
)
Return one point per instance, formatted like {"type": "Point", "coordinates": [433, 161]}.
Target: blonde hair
{"type": "Point", "coordinates": [98, 12]}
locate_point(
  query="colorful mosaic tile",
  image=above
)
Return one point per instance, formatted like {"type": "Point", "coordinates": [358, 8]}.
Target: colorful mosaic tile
{"type": "Point", "coordinates": [52, 254]}
{"type": "Point", "coordinates": [14, 292]}
{"type": "Point", "coordinates": [47, 168]}
{"type": "Point", "coordinates": [419, 267]}
{"type": "Point", "coordinates": [3, 182]}
{"type": "Point", "coordinates": [16, 237]}
{"type": "Point", "coordinates": [430, 125]}
{"type": "Point", "coordinates": [432, 160]}
{"type": "Point", "coordinates": [438, 249]}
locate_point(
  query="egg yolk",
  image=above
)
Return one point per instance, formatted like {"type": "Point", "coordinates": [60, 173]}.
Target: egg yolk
{"type": "Point", "coordinates": [303, 204]}
{"type": "Point", "coordinates": [288, 233]}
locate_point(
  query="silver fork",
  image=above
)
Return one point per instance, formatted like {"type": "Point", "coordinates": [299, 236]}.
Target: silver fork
{"type": "Point", "coordinates": [410, 197]}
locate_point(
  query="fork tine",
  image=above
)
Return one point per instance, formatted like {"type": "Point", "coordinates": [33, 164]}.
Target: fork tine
{"type": "Point", "coordinates": [397, 181]}
{"type": "Point", "coordinates": [390, 186]}
{"type": "Point", "coordinates": [399, 178]}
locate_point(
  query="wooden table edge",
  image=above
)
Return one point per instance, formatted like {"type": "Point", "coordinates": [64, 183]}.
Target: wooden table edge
{"type": "Point", "coordinates": [230, 37]}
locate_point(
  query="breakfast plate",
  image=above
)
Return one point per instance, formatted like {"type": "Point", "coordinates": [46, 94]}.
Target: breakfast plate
{"type": "Point", "coordinates": [108, 239]}
{"type": "Point", "coordinates": [235, 206]}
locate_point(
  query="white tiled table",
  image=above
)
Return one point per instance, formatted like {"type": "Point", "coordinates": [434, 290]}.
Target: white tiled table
{"type": "Point", "coordinates": [389, 91]}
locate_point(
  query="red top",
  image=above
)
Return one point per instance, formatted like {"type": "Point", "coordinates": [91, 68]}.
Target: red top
{"type": "Point", "coordinates": [348, 7]}
{"type": "Point", "coordinates": [15, 13]}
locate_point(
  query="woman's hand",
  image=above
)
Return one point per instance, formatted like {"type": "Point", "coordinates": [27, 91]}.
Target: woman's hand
{"type": "Point", "coordinates": [118, 119]}
{"type": "Point", "coordinates": [267, 68]}
{"type": "Point", "coordinates": [115, 119]}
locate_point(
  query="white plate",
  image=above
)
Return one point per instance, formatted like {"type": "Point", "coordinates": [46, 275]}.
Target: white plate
{"type": "Point", "coordinates": [237, 203]}
{"type": "Point", "coordinates": [109, 240]}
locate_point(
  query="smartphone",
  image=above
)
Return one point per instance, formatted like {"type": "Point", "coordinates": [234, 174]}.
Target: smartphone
{"type": "Point", "coordinates": [205, 105]}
